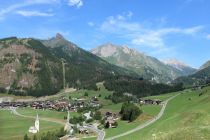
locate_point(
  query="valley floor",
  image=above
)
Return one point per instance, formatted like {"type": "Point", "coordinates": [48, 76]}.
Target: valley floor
{"type": "Point", "coordinates": [187, 116]}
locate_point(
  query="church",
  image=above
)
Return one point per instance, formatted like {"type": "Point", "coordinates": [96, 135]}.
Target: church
{"type": "Point", "coordinates": [34, 129]}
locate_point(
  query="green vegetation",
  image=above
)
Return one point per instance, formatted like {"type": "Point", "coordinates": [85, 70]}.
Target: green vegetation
{"type": "Point", "coordinates": [83, 69]}
{"type": "Point", "coordinates": [14, 127]}
{"type": "Point", "coordinates": [201, 77]}
{"type": "Point", "coordinates": [129, 111]}
{"type": "Point", "coordinates": [44, 113]}
{"type": "Point", "coordinates": [77, 119]}
{"type": "Point", "coordinates": [138, 87]}
{"type": "Point", "coordinates": [97, 115]}
{"type": "Point", "coordinates": [186, 117]}
{"type": "Point", "coordinates": [162, 96]}
{"type": "Point", "coordinates": [149, 111]}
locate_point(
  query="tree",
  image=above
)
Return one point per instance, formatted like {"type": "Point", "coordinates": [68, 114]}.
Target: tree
{"type": "Point", "coordinates": [97, 115]}
{"type": "Point", "coordinates": [26, 137]}
{"type": "Point", "coordinates": [103, 121]}
{"type": "Point", "coordinates": [35, 137]}
{"type": "Point", "coordinates": [89, 120]}
{"type": "Point", "coordinates": [130, 111]}
{"type": "Point", "coordinates": [86, 94]}
{"type": "Point", "coordinates": [107, 124]}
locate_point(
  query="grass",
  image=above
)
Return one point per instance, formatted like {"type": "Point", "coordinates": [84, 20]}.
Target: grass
{"type": "Point", "coordinates": [45, 113]}
{"type": "Point", "coordinates": [14, 127]}
{"type": "Point", "coordinates": [148, 112]}
{"type": "Point", "coordinates": [115, 108]}
{"type": "Point", "coordinates": [186, 117]}
{"type": "Point", "coordinates": [161, 97]}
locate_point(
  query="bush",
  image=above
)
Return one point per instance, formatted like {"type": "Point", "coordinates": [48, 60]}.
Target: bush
{"type": "Point", "coordinates": [89, 121]}
{"type": "Point", "coordinates": [76, 120]}
{"type": "Point", "coordinates": [130, 111]}
{"type": "Point", "coordinates": [97, 115]}
{"type": "Point", "coordinates": [86, 94]}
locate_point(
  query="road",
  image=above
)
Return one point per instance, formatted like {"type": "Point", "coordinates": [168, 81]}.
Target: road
{"type": "Point", "coordinates": [101, 133]}
{"type": "Point", "coordinates": [160, 114]}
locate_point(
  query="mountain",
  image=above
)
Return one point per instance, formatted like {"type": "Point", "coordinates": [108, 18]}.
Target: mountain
{"type": "Point", "coordinates": [34, 67]}
{"type": "Point", "coordinates": [185, 69]}
{"type": "Point", "coordinates": [146, 66]}
{"type": "Point", "coordinates": [201, 77]}
{"type": "Point", "coordinates": [205, 65]}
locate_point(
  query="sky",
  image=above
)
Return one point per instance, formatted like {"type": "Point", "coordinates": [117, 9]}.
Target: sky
{"type": "Point", "coordinates": [165, 29]}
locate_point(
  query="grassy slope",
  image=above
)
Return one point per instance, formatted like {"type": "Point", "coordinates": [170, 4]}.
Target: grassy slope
{"type": "Point", "coordinates": [148, 112]}
{"type": "Point", "coordinates": [161, 97]}
{"type": "Point", "coordinates": [42, 113]}
{"type": "Point", "coordinates": [183, 119]}
{"type": "Point", "coordinates": [14, 127]}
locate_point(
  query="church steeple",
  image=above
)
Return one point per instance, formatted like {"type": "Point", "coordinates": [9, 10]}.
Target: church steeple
{"type": "Point", "coordinates": [37, 122]}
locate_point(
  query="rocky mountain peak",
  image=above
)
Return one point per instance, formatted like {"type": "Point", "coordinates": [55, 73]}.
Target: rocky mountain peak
{"type": "Point", "coordinates": [59, 36]}
{"type": "Point", "coordinates": [175, 62]}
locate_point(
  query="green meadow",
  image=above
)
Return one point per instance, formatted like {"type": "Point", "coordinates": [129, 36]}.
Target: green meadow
{"type": "Point", "coordinates": [13, 127]}
{"type": "Point", "coordinates": [187, 117]}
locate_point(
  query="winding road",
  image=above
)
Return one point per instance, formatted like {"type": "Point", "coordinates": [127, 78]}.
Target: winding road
{"type": "Point", "coordinates": [160, 114]}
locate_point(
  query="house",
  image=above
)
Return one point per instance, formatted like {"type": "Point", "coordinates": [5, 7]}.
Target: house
{"type": "Point", "coordinates": [83, 130]}
{"type": "Point", "coordinates": [150, 101]}
{"type": "Point", "coordinates": [111, 121]}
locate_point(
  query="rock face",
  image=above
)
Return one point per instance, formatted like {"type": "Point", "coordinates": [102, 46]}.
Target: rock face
{"type": "Point", "coordinates": [185, 69]}
{"type": "Point", "coordinates": [146, 66]}
{"type": "Point", "coordinates": [34, 67]}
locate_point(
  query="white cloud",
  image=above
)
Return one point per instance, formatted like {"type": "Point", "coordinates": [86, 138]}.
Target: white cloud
{"type": "Point", "coordinates": [33, 13]}
{"type": "Point", "coordinates": [139, 35]}
{"type": "Point", "coordinates": [14, 7]}
{"type": "Point", "coordinates": [77, 3]}
{"type": "Point", "coordinates": [208, 36]}
{"type": "Point", "coordinates": [91, 24]}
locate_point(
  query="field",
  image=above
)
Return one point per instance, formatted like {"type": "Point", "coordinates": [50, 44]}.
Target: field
{"type": "Point", "coordinates": [186, 117]}
{"type": "Point", "coordinates": [161, 97]}
{"type": "Point", "coordinates": [149, 111]}
{"type": "Point", "coordinates": [13, 127]}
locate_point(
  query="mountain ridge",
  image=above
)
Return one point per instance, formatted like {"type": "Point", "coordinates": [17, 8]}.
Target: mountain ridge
{"type": "Point", "coordinates": [149, 67]}
{"type": "Point", "coordinates": [34, 66]}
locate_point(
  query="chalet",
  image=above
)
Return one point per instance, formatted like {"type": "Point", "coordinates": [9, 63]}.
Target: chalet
{"type": "Point", "coordinates": [83, 130]}
{"type": "Point", "coordinates": [150, 101]}
{"type": "Point", "coordinates": [111, 121]}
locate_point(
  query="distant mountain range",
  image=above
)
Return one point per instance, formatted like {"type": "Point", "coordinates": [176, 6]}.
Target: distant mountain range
{"type": "Point", "coordinates": [31, 66]}
{"type": "Point", "coordinates": [36, 67]}
{"type": "Point", "coordinates": [148, 67]}
{"type": "Point", "coordinates": [201, 77]}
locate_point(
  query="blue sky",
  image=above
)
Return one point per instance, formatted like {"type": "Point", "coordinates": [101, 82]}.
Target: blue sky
{"type": "Point", "coordinates": [161, 28]}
